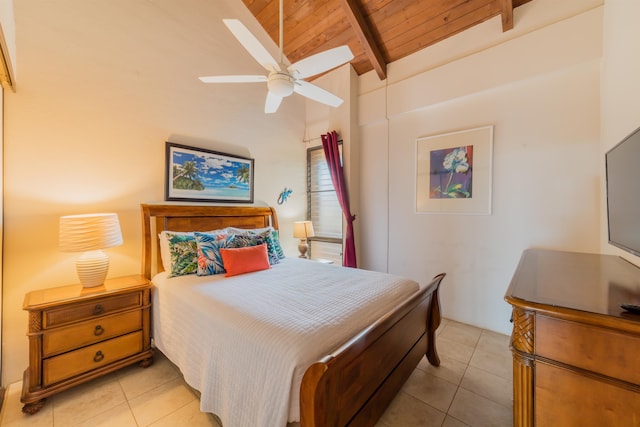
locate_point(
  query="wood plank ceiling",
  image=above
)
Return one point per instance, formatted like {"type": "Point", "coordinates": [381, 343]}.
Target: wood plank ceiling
{"type": "Point", "coordinates": [377, 31]}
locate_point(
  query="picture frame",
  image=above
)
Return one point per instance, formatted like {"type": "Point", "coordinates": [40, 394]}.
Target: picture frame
{"type": "Point", "coordinates": [454, 172]}
{"type": "Point", "coordinates": [200, 175]}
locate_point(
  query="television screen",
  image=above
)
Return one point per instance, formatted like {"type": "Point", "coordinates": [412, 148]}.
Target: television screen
{"type": "Point", "coordinates": [623, 193]}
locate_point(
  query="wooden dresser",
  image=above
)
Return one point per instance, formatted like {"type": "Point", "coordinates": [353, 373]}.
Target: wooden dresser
{"type": "Point", "coordinates": [77, 334]}
{"type": "Point", "coordinates": [576, 353]}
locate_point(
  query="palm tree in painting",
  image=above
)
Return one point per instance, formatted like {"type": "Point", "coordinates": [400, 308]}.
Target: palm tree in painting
{"type": "Point", "coordinates": [188, 170]}
{"type": "Point", "coordinates": [243, 174]}
{"type": "Point", "coordinates": [185, 177]}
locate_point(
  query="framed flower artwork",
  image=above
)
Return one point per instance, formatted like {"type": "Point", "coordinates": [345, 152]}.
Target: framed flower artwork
{"type": "Point", "coordinates": [453, 172]}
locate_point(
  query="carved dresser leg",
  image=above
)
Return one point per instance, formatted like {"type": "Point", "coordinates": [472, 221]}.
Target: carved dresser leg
{"type": "Point", "coordinates": [32, 408]}
{"type": "Point", "coordinates": [145, 363]}
{"type": "Point", "coordinates": [523, 367]}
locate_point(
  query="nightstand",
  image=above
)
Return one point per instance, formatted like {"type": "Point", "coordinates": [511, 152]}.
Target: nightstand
{"type": "Point", "coordinates": [77, 334]}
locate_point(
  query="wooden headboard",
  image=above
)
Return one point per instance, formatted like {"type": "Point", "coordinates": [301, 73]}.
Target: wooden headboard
{"type": "Point", "coordinates": [159, 217]}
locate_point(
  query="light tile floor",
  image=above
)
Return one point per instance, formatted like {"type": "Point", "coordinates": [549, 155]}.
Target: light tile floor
{"type": "Point", "coordinates": [472, 387]}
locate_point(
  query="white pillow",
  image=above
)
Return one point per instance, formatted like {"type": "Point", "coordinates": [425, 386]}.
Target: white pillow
{"type": "Point", "coordinates": [235, 230]}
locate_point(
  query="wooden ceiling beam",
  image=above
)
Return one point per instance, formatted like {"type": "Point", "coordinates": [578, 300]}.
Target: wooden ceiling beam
{"type": "Point", "coordinates": [364, 34]}
{"type": "Point", "coordinates": [507, 14]}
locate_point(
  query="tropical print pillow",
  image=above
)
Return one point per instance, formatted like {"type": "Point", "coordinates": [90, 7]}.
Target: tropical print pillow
{"type": "Point", "coordinates": [275, 239]}
{"type": "Point", "coordinates": [183, 251]}
{"type": "Point", "coordinates": [276, 244]}
{"type": "Point", "coordinates": [209, 259]}
{"type": "Point", "coordinates": [267, 236]}
{"type": "Point", "coordinates": [251, 239]}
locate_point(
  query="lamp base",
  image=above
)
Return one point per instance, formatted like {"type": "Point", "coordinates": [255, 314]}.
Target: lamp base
{"type": "Point", "coordinates": [303, 247]}
{"type": "Point", "coordinates": [92, 268]}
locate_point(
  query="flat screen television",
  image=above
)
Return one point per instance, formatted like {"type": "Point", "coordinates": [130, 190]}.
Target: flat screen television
{"type": "Point", "coordinates": [623, 193]}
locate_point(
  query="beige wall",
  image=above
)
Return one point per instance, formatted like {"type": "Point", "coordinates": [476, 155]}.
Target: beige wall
{"type": "Point", "coordinates": [620, 89]}
{"type": "Point", "coordinates": [7, 28]}
{"type": "Point", "coordinates": [538, 85]}
{"type": "Point", "coordinates": [102, 85]}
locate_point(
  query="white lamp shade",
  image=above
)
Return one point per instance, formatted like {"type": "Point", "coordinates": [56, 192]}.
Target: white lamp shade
{"type": "Point", "coordinates": [80, 233]}
{"type": "Point", "coordinates": [303, 229]}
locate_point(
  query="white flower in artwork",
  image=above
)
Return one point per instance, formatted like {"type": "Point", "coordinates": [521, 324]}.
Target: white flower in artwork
{"type": "Point", "coordinates": [456, 161]}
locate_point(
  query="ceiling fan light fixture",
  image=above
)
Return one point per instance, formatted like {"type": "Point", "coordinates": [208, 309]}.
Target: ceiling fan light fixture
{"type": "Point", "coordinates": [283, 80]}
{"type": "Point", "coordinates": [280, 84]}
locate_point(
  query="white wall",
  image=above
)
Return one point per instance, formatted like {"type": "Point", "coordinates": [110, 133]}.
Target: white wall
{"type": "Point", "coordinates": [539, 87]}
{"type": "Point", "coordinates": [102, 85]}
{"type": "Point", "coordinates": [620, 112]}
{"type": "Point", "coordinates": [321, 119]}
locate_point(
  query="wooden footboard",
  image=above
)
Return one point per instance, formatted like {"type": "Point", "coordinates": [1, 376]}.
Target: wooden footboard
{"type": "Point", "coordinates": [354, 385]}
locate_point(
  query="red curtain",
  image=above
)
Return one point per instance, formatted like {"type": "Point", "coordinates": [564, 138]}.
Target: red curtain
{"type": "Point", "coordinates": [330, 145]}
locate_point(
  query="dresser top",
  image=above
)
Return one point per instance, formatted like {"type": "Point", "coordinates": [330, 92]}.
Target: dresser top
{"type": "Point", "coordinates": [591, 283]}
{"type": "Point", "coordinates": [42, 298]}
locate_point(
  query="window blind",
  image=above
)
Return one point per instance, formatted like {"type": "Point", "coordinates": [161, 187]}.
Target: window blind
{"type": "Point", "coordinates": [323, 208]}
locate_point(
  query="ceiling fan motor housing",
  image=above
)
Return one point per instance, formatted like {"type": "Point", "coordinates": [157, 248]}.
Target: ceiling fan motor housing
{"type": "Point", "coordinates": [280, 84]}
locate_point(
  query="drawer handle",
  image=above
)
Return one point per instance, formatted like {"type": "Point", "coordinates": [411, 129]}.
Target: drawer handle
{"type": "Point", "coordinates": [99, 330]}
{"type": "Point", "coordinates": [98, 357]}
{"type": "Point", "coordinates": [98, 309]}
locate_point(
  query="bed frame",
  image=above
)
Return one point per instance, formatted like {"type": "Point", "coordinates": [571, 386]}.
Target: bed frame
{"type": "Point", "coordinates": [354, 384]}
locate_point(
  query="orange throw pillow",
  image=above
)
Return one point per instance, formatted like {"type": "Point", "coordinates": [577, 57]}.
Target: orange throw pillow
{"type": "Point", "coordinates": [244, 260]}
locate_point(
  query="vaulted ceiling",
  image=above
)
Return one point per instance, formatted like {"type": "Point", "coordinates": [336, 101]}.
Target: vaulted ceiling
{"type": "Point", "coordinates": [377, 31]}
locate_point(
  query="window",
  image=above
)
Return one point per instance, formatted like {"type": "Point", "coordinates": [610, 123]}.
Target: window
{"type": "Point", "coordinates": [323, 208]}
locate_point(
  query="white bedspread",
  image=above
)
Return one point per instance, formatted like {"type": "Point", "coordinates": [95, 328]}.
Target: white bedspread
{"type": "Point", "coordinates": [245, 342]}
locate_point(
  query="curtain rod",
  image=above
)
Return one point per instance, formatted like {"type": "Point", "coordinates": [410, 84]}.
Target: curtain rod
{"type": "Point", "coordinates": [317, 138]}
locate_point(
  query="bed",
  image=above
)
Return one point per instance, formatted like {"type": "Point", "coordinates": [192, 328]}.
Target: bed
{"type": "Point", "coordinates": [349, 383]}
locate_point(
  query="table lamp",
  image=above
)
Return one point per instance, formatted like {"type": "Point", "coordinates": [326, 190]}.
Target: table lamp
{"type": "Point", "coordinates": [89, 234]}
{"type": "Point", "coordinates": [303, 230]}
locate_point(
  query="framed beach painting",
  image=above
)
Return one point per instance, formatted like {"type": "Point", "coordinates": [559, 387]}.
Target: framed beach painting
{"type": "Point", "coordinates": [197, 174]}
{"type": "Point", "coordinates": [453, 172]}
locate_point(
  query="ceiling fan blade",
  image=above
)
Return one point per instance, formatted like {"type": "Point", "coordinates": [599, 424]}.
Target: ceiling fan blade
{"type": "Point", "coordinates": [233, 79]}
{"type": "Point", "coordinates": [316, 93]}
{"type": "Point", "coordinates": [321, 62]}
{"type": "Point", "coordinates": [251, 44]}
{"type": "Point", "coordinates": [272, 103]}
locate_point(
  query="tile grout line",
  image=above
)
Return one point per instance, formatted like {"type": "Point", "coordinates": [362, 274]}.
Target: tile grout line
{"type": "Point", "coordinates": [470, 391]}
{"type": "Point", "coordinates": [126, 399]}
{"type": "Point", "coordinates": [459, 385]}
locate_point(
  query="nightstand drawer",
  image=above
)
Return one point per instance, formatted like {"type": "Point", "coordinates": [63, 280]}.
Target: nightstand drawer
{"type": "Point", "coordinates": [67, 365]}
{"type": "Point", "coordinates": [89, 310]}
{"type": "Point", "coordinates": [90, 332]}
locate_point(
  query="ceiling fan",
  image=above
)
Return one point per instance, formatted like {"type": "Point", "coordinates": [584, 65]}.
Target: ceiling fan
{"type": "Point", "coordinates": [284, 79]}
